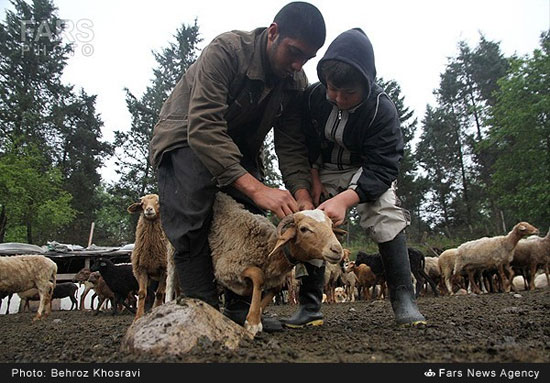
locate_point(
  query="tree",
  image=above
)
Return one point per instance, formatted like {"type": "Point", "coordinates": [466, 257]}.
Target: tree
{"type": "Point", "coordinates": [32, 58]}
{"type": "Point", "coordinates": [36, 206]}
{"type": "Point", "coordinates": [520, 136]}
{"type": "Point", "coordinates": [137, 175]}
{"type": "Point", "coordinates": [79, 156]}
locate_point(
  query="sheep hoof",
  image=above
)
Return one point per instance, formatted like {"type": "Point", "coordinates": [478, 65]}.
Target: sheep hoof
{"type": "Point", "coordinates": [253, 328]}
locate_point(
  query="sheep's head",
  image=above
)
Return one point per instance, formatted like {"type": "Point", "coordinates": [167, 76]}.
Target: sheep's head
{"type": "Point", "coordinates": [148, 204]}
{"type": "Point", "coordinates": [310, 235]}
{"type": "Point", "coordinates": [524, 229]}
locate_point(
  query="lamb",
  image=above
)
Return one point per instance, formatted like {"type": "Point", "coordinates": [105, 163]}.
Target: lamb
{"type": "Point", "coordinates": [119, 278]}
{"type": "Point", "coordinates": [365, 278]}
{"type": "Point", "coordinates": [374, 261]}
{"type": "Point", "coordinates": [531, 254]}
{"type": "Point", "coordinates": [251, 255]}
{"type": "Point", "coordinates": [2, 296]}
{"type": "Point", "coordinates": [102, 291]}
{"type": "Point", "coordinates": [431, 268]}
{"type": "Point", "coordinates": [333, 274]}
{"type": "Point", "coordinates": [23, 272]}
{"type": "Point", "coordinates": [60, 291]}
{"type": "Point", "coordinates": [486, 253]}
{"type": "Point", "coordinates": [82, 278]}
{"type": "Point", "coordinates": [446, 267]}
{"type": "Point", "coordinates": [149, 256]}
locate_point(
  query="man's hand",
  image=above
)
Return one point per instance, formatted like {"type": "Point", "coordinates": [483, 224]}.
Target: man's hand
{"type": "Point", "coordinates": [303, 198]}
{"type": "Point", "coordinates": [337, 206]}
{"type": "Point", "coordinates": [278, 201]}
{"type": "Point", "coordinates": [317, 188]}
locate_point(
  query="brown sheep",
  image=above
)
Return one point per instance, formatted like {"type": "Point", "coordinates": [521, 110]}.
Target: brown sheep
{"type": "Point", "coordinates": [365, 278]}
{"type": "Point", "coordinates": [149, 257]}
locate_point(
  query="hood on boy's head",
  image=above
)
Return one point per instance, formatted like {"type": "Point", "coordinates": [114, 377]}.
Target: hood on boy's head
{"type": "Point", "coordinates": [352, 47]}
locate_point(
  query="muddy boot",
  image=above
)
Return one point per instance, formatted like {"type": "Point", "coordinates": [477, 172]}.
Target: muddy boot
{"type": "Point", "coordinates": [310, 299]}
{"type": "Point", "coordinates": [236, 308]}
{"type": "Point", "coordinates": [397, 269]}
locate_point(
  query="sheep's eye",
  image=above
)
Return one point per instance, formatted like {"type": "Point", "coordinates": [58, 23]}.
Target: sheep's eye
{"type": "Point", "coordinates": [304, 229]}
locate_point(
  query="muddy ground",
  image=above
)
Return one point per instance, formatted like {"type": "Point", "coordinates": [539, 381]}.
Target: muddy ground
{"type": "Point", "coordinates": [485, 328]}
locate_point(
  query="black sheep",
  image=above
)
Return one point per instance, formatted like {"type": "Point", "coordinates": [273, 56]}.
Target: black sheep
{"type": "Point", "coordinates": [119, 278]}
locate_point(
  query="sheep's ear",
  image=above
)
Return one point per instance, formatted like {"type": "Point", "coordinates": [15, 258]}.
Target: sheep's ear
{"type": "Point", "coordinates": [286, 230]}
{"type": "Point", "coordinates": [339, 231]}
{"type": "Point", "coordinates": [135, 207]}
{"type": "Point", "coordinates": [286, 236]}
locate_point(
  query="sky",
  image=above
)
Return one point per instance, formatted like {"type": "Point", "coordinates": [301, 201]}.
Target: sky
{"type": "Point", "coordinates": [412, 40]}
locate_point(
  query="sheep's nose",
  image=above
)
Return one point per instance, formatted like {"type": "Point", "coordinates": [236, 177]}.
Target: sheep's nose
{"type": "Point", "coordinates": [336, 249]}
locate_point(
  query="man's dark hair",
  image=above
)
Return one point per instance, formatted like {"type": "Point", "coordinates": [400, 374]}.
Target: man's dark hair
{"type": "Point", "coordinates": [341, 74]}
{"type": "Point", "coordinates": [301, 20]}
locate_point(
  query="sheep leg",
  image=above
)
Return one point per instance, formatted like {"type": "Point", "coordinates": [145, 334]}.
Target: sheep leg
{"type": "Point", "coordinates": [266, 300]}
{"type": "Point", "coordinates": [84, 293]}
{"type": "Point", "coordinates": [143, 281]}
{"type": "Point", "coordinates": [473, 285]}
{"type": "Point", "coordinates": [161, 290]}
{"type": "Point", "coordinates": [531, 277]}
{"type": "Point", "coordinates": [100, 301]}
{"type": "Point", "coordinates": [253, 322]}
{"type": "Point", "coordinates": [505, 286]}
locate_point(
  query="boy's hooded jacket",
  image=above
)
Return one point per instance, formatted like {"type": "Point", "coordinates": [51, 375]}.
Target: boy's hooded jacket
{"type": "Point", "coordinates": [367, 136]}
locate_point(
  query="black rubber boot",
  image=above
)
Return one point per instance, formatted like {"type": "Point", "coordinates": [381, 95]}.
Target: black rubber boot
{"type": "Point", "coordinates": [397, 269]}
{"type": "Point", "coordinates": [236, 308]}
{"type": "Point", "coordinates": [196, 279]}
{"type": "Point", "coordinates": [310, 299]}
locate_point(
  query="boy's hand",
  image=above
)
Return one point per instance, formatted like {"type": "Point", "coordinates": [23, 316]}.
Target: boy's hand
{"type": "Point", "coordinates": [337, 206]}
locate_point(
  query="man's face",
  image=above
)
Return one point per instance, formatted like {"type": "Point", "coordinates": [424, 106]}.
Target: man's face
{"type": "Point", "coordinates": [345, 98]}
{"type": "Point", "coordinates": [287, 55]}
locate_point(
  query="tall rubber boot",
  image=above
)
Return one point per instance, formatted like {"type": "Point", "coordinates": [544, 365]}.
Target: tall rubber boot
{"type": "Point", "coordinates": [310, 299]}
{"type": "Point", "coordinates": [397, 268]}
{"type": "Point", "coordinates": [236, 308]}
{"type": "Point", "coordinates": [196, 279]}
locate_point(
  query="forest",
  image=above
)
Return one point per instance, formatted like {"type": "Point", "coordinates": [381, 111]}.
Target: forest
{"type": "Point", "coordinates": [476, 163]}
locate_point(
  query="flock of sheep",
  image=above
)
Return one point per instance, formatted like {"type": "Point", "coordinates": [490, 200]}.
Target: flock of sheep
{"type": "Point", "coordinates": [253, 257]}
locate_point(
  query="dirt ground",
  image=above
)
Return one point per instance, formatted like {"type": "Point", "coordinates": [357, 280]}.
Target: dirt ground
{"type": "Point", "coordinates": [486, 328]}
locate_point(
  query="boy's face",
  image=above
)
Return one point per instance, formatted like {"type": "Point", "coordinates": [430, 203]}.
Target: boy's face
{"type": "Point", "coordinates": [287, 55]}
{"type": "Point", "coordinates": [345, 98]}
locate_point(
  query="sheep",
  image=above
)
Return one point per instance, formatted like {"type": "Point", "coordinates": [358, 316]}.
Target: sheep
{"type": "Point", "coordinates": [417, 260]}
{"type": "Point", "coordinates": [102, 291]}
{"type": "Point", "coordinates": [446, 267]}
{"type": "Point", "coordinates": [374, 261]}
{"type": "Point", "coordinates": [2, 296]}
{"type": "Point", "coordinates": [119, 278]}
{"type": "Point", "coordinates": [333, 273]}
{"type": "Point", "coordinates": [82, 278]}
{"type": "Point", "coordinates": [60, 291]}
{"type": "Point", "coordinates": [530, 254]}
{"type": "Point", "coordinates": [431, 268]}
{"type": "Point", "coordinates": [250, 254]}
{"type": "Point", "coordinates": [488, 252]}
{"type": "Point", "coordinates": [23, 272]}
{"type": "Point", "coordinates": [365, 278]}
{"type": "Point", "coordinates": [149, 256]}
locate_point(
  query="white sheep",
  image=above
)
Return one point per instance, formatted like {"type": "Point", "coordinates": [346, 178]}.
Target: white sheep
{"type": "Point", "coordinates": [251, 255]}
{"type": "Point", "coordinates": [149, 256]}
{"type": "Point", "coordinates": [446, 264]}
{"type": "Point", "coordinates": [530, 254]}
{"type": "Point", "coordinates": [491, 252]}
{"type": "Point", "coordinates": [23, 272]}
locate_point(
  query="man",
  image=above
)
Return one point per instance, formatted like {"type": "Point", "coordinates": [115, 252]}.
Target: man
{"type": "Point", "coordinates": [211, 130]}
{"type": "Point", "coordinates": [355, 147]}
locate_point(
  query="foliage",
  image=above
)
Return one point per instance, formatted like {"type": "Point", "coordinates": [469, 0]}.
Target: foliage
{"type": "Point", "coordinates": [37, 207]}
{"type": "Point", "coordinates": [520, 136]}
